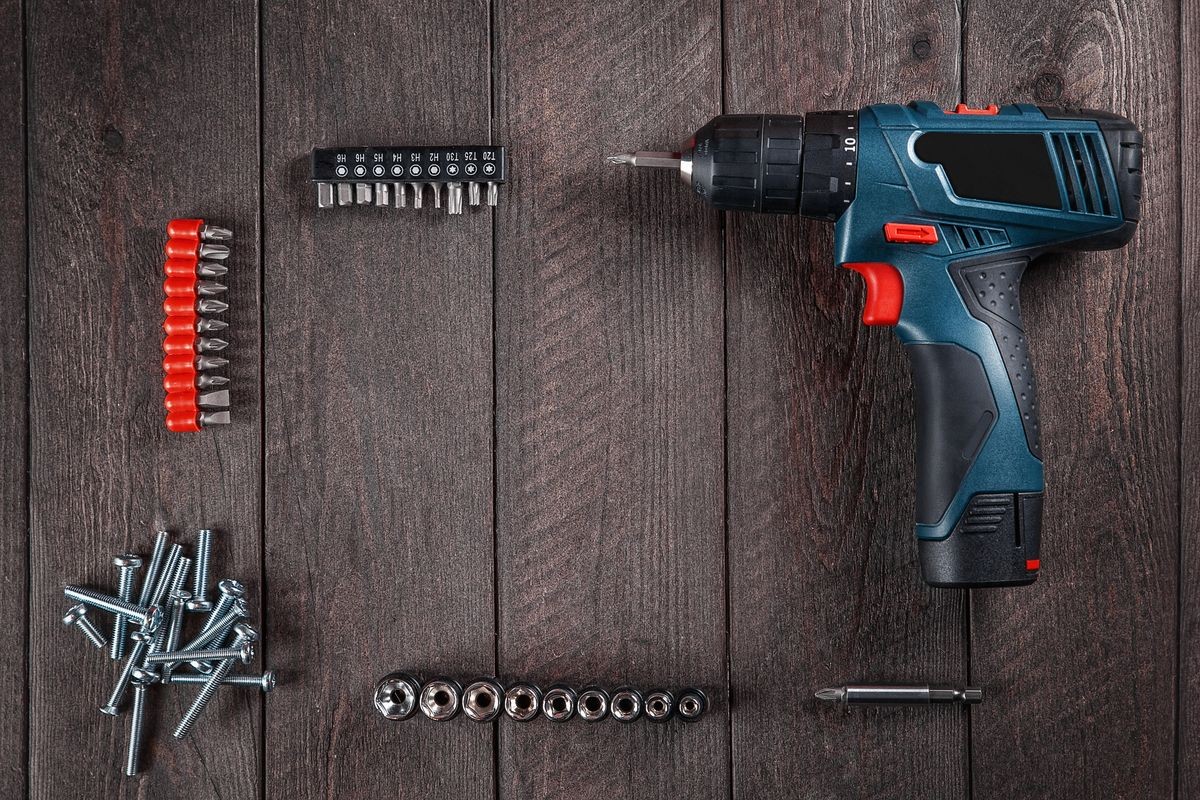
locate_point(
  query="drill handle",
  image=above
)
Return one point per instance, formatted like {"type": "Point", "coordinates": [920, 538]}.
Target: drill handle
{"type": "Point", "coordinates": [978, 468]}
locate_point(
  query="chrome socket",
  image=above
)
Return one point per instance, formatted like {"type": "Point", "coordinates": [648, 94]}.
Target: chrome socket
{"type": "Point", "coordinates": [559, 703]}
{"type": "Point", "coordinates": [626, 705]}
{"type": "Point", "coordinates": [660, 705]}
{"type": "Point", "coordinates": [522, 702]}
{"type": "Point", "coordinates": [692, 705]}
{"type": "Point", "coordinates": [396, 696]}
{"type": "Point", "coordinates": [441, 699]}
{"type": "Point", "coordinates": [483, 700]}
{"type": "Point", "coordinates": [593, 704]}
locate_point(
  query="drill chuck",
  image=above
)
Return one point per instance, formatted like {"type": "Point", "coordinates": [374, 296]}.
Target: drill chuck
{"type": "Point", "coordinates": [775, 163]}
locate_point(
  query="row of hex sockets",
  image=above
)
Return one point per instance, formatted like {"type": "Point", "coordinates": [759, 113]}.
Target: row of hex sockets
{"type": "Point", "coordinates": [400, 696]}
{"type": "Point", "coordinates": [194, 258]}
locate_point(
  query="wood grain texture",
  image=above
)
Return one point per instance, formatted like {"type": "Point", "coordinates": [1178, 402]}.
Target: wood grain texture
{"type": "Point", "coordinates": [825, 588]}
{"type": "Point", "coordinates": [378, 404]}
{"type": "Point", "coordinates": [1188, 745]}
{"type": "Point", "coordinates": [139, 113]}
{"type": "Point", "coordinates": [609, 531]}
{"type": "Point", "coordinates": [1081, 666]}
{"type": "Point", "coordinates": [14, 549]}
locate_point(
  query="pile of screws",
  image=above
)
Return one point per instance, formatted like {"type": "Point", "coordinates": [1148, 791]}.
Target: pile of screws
{"type": "Point", "coordinates": [160, 614]}
{"type": "Point", "coordinates": [400, 695]}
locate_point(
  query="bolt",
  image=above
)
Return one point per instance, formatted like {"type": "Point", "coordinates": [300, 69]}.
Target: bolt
{"type": "Point", "coordinates": [559, 703]}
{"type": "Point", "coordinates": [482, 700]}
{"type": "Point", "coordinates": [179, 599]}
{"type": "Point", "coordinates": [147, 616]}
{"type": "Point", "coordinates": [243, 652]}
{"type": "Point", "coordinates": [156, 562]}
{"type": "Point", "coordinates": [396, 696]}
{"type": "Point", "coordinates": [237, 611]}
{"type": "Point", "coordinates": [266, 681]}
{"type": "Point", "coordinates": [128, 564]}
{"type": "Point", "coordinates": [522, 701]}
{"type": "Point", "coordinates": [77, 616]}
{"type": "Point", "coordinates": [626, 705]}
{"type": "Point", "coordinates": [593, 704]}
{"type": "Point", "coordinates": [163, 587]}
{"type": "Point", "coordinates": [692, 704]}
{"type": "Point", "coordinates": [141, 640]}
{"type": "Point", "coordinates": [175, 584]}
{"type": "Point", "coordinates": [440, 699]}
{"type": "Point", "coordinates": [243, 634]}
{"type": "Point", "coordinates": [659, 705]}
{"type": "Point", "coordinates": [141, 680]}
{"type": "Point", "coordinates": [230, 591]}
{"type": "Point", "coordinates": [203, 555]}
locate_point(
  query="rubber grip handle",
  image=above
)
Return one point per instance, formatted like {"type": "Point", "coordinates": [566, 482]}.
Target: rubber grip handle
{"type": "Point", "coordinates": [977, 432]}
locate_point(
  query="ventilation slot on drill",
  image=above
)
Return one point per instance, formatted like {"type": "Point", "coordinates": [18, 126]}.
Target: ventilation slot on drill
{"type": "Point", "coordinates": [1079, 159]}
{"type": "Point", "coordinates": [986, 512]}
{"type": "Point", "coordinates": [963, 238]}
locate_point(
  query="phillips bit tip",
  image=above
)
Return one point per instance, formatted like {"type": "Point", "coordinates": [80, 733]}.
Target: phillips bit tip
{"type": "Point", "coordinates": [217, 251]}
{"type": "Point", "coordinates": [206, 325]}
{"type": "Point", "coordinates": [208, 306]}
{"type": "Point", "coordinates": [211, 233]}
{"type": "Point", "coordinates": [211, 381]}
{"type": "Point", "coordinates": [210, 362]}
{"type": "Point", "coordinates": [207, 344]}
{"type": "Point", "coordinates": [643, 158]}
{"type": "Point", "coordinates": [831, 695]}
{"type": "Point", "coordinates": [209, 288]}
{"type": "Point", "coordinates": [210, 269]}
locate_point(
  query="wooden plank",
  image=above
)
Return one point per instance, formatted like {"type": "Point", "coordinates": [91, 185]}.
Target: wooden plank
{"type": "Point", "coordinates": [1082, 665]}
{"type": "Point", "coordinates": [137, 115]}
{"type": "Point", "coordinates": [379, 403]}
{"type": "Point", "coordinates": [609, 395]}
{"type": "Point", "coordinates": [1188, 701]}
{"type": "Point", "coordinates": [14, 552]}
{"type": "Point", "coordinates": [825, 587]}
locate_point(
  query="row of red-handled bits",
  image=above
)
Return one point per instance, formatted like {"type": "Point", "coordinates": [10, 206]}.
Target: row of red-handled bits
{"type": "Point", "coordinates": [193, 260]}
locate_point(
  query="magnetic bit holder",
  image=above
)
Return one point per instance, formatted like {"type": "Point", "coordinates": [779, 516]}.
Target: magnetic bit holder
{"type": "Point", "coordinates": [398, 176]}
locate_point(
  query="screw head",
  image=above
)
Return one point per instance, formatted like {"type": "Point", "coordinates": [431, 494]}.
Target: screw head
{"type": "Point", "coordinates": [154, 619]}
{"type": "Point", "coordinates": [268, 680]}
{"type": "Point", "coordinates": [144, 675]}
{"type": "Point", "coordinates": [522, 702]}
{"type": "Point", "coordinates": [198, 605]}
{"type": "Point", "coordinates": [128, 561]}
{"type": "Point", "coordinates": [395, 695]}
{"type": "Point", "coordinates": [440, 699]}
{"type": "Point", "coordinates": [181, 596]}
{"type": "Point", "coordinates": [247, 653]}
{"type": "Point", "coordinates": [231, 588]}
{"type": "Point", "coordinates": [74, 614]}
{"type": "Point", "coordinates": [110, 709]}
{"type": "Point", "coordinates": [245, 632]}
{"type": "Point", "coordinates": [141, 635]}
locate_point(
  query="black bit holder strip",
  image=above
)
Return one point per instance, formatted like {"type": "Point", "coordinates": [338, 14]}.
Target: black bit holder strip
{"type": "Point", "coordinates": [457, 164]}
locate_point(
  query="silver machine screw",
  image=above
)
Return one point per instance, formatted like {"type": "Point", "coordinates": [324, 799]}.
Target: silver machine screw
{"type": "Point", "coordinates": [237, 612]}
{"type": "Point", "coordinates": [174, 585]}
{"type": "Point", "coordinates": [593, 704]}
{"type": "Point", "coordinates": [76, 616]}
{"type": "Point", "coordinates": [155, 566]}
{"type": "Point", "coordinates": [559, 703]}
{"type": "Point", "coordinates": [163, 585]}
{"type": "Point", "coordinates": [440, 699]}
{"type": "Point", "coordinates": [243, 634]}
{"type": "Point", "coordinates": [229, 591]}
{"type": "Point", "coordinates": [141, 641]}
{"type": "Point", "coordinates": [396, 696]}
{"type": "Point", "coordinates": [243, 653]}
{"type": "Point", "coordinates": [128, 565]}
{"type": "Point", "coordinates": [200, 578]}
{"type": "Point", "coordinates": [483, 700]}
{"type": "Point", "coordinates": [146, 616]}
{"type": "Point", "coordinates": [141, 681]}
{"type": "Point", "coordinates": [522, 702]}
{"type": "Point", "coordinates": [265, 682]}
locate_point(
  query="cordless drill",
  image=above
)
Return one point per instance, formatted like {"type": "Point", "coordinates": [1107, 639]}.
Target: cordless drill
{"type": "Point", "coordinates": [940, 212]}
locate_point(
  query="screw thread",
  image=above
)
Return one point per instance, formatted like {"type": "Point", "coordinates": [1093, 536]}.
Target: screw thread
{"type": "Point", "coordinates": [167, 575]}
{"type": "Point", "coordinates": [133, 753]}
{"type": "Point", "coordinates": [219, 609]}
{"type": "Point", "coordinates": [92, 632]}
{"type": "Point", "coordinates": [255, 681]}
{"type": "Point", "coordinates": [203, 554]}
{"type": "Point", "coordinates": [205, 637]}
{"type": "Point", "coordinates": [156, 562]}
{"type": "Point", "coordinates": [113, 605]}
{"type": "Point", "coordinates": [120, 624]}
{"type": "Point", "coordinates": [131, 663]}
{"type": "Point", "coordinates": [207, 691]}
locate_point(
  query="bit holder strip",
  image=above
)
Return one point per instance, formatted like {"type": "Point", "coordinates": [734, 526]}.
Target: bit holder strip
{"type": "Point", "coordinates": [384, 176]}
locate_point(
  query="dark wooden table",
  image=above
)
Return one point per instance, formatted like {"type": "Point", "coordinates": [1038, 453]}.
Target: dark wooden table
{"type": "Point", "coordinates": [602, 433]}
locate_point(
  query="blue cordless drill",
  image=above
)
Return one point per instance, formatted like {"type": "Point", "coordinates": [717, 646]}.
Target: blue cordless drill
{"type": "Point", "coordinates": [940, 212]}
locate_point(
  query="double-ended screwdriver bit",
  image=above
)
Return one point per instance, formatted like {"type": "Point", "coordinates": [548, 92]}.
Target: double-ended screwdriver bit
{"type": "Point", "coordinates": [876, 694]}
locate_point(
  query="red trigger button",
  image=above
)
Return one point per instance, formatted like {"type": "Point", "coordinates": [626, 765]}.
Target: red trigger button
{"type": "Point", "coordinates": [885, 292]}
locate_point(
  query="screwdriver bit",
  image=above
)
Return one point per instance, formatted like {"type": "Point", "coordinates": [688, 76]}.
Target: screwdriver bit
{"type": "Point", "coordinates": [191, 248]}
{"type": "Point", "coordinates": [324, 195]}
{"type": "Point", "coordinates": [899, 695]}
{"type": "Point", "coordinates": [190, 343]}
{"type": "Point", "coordinates": [197, 229]}
{"type": "Point", "coordinates": [437, 194]}
{"type": "Point", "coordinates": [340, 175]}
{"type": "Point", "coordinates": [644, 158]}
{"type": "Point", "coordinates": [189, 400]}
{"type": "Point", "coordinates": [381, 194]}
{"type": "Point", "coordinates": [454, 198]}
{"type": "Point", "coordinates": [401, 196]}
{"type": "Point", "coordinates": [183, 362]}
{"type": "Point", "coordinates": [416, 191]}
{"type": "Point", "coordinates": [187, 287]}
{"type": "Point", "coordinates": [473, 193]}
{"type": "Point", "coordinates": [187, 381]}
{"type": "Point", "coordinates": [189, 305]}
{"type": "Point", "coordinates": [193, 268]}
{"type": "Point", "coordinates": [186, 421]}
{"type": "Point", "coordinates": [345, 194]}
{"type": "Point", "coordinates": [362, 194]}
{"type": "Point", "coordinates": [493, 194]}
{"type": "Point", "coordinates": [192, 323]}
